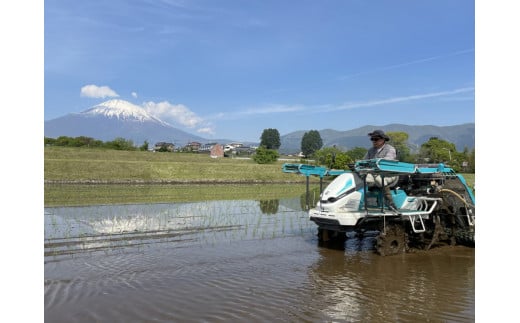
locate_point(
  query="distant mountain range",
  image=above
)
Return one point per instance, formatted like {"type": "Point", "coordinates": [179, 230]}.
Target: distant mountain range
{"type": "Point", "coordinates": [119, 118]}
{"type": "Point", "coordinates": [461, 135]}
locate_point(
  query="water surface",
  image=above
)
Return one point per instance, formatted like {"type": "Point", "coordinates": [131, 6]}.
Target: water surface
{"type": "Point", "coordinates": [238, 261]}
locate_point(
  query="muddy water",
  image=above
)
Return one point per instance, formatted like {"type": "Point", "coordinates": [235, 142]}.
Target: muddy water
{"type": "Point", "coordinates": [238, 261]}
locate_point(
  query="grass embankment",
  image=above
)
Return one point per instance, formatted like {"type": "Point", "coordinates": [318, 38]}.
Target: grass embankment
{"type": "Point", "coordinates": [80, 176]}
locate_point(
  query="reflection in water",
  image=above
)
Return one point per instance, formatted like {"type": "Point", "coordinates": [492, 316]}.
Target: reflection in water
{"type": "Point", "coordinates": [269, 206]}
{"type": "Point", "coordinates": [433, 286]}
{"type": "Point", "coordinates": [310, 200]}
{"type": "Point", "coordinates": [72, 230]}
{"type": "Point", "coordinates": [236, 261]}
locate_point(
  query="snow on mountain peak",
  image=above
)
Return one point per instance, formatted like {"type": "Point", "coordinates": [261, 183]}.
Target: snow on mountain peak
{"type": "Point", "coordinates": [122, 110]}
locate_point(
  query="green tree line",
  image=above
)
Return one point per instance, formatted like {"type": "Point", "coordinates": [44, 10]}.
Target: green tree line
{"type": "Point", "coordinates": [433, 151]}
{"type": "Point", "coordinates": [82, 141]}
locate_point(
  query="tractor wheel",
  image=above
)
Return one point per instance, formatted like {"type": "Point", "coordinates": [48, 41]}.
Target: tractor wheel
{"type": "Point", "coordinates": [331, 239]}
{"type": "Point", "coordinates": [465, 237]}
{"type": "Point", "coordinates": [392, 241]}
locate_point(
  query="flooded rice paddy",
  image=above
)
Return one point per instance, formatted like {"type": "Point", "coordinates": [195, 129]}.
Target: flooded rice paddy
{"type": "Point", "coordinates": [238, 261]}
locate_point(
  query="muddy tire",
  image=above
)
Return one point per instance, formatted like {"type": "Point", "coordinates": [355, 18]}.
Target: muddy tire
{"type": "Point", "coordinates": [392, 241]}
{"type": "Point", "coordinates": [331, 239]}
{"type": "Point", "coordinates": [463, 237]}
{"type": "Point", "coordinates": [466, 238]}
{"type": "Point", "coordinates": [323, 235]}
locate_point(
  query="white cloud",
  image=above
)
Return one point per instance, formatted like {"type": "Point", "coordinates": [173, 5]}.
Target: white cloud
{"type": "Point", "coordinates": [246, 113]}
{"type": "Point", "coordinates": [281, 108]}
{"type": "Point", "coordinates": [206, 130]}
{"type": "Point", "coordinates": [94, 91]}
{"type": "Point", "coordinates": [418, 61]}
{"type": "Point", "coordinates": [273, 108]}
{"type": "Point", "coordinates": [173, 112]}
{"type": "Point", "coordinates": [402, 99]}
{"type": "Point", "coordinates": [458, 99]}
{"type": "Point", "coordinates": [134, 94]}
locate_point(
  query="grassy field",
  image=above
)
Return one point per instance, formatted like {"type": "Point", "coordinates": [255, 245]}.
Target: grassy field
{"type": "Point", "coordinates": [98, 165]}
{"type": "Point", "coordinates": [80, 176]}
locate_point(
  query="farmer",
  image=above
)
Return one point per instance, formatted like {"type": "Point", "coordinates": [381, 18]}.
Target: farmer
{"type": "Point", "coordinates": [381, 149]}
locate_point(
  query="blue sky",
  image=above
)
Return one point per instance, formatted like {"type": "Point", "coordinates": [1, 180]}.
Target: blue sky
{"type": "Point", "coordinates": [230, 69]}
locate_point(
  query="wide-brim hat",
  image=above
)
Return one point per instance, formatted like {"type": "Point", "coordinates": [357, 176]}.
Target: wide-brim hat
{"type": "Point", "coordinates": [380, 134]}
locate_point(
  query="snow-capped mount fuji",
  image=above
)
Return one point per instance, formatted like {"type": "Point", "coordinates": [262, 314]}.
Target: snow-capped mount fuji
{"type": "Point", "coordinates": [122, 110]}
{"type": "Point", "coordinates": [118, 119]}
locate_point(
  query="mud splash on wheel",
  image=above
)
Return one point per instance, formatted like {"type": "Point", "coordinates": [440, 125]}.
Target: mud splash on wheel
{"type": "Point", "coordinates": [392, 241]}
